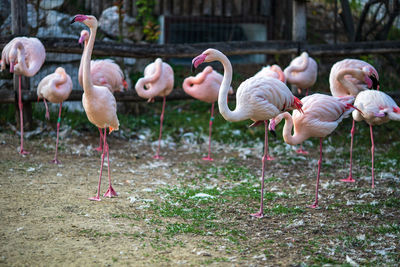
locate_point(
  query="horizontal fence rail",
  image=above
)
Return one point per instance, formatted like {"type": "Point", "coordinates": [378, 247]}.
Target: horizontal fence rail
{"type": "Point", "coordinates": [70, 45]}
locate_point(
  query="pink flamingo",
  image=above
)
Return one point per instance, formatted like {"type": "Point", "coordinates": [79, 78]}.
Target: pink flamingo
{"type": "Point", "coordinates": [205, 87]}
{"type": "Point", "coordinates": [302, 72]}
{"type": "Point", "coordinates": [159, 81]}
{"type": "Point", "coordinates": [273, 71]}
{"type": "Point", "coordinates": [56, 88]}
{"type": "Point", "coordinates": [322, 114]}
{"type": "Point", "coordinates": [375, 108]}
{"type": "Point", "coordinates": [99, 103]}
{"type": "Point", "coordinates": [257, 98]}
{"type": "Point", "coordinates": [25, 57]}
{"type": "Point", "coordinates": [105, 72]}
{"type": "Point", "coordinates": [350, 77]}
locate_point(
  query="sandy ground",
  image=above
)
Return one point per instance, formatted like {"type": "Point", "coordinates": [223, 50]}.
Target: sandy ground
{"type": "Point", "coordinates": [47, 219]}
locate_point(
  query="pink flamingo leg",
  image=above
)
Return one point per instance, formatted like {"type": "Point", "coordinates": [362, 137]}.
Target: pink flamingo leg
{"type": "Point", "coordinates": [268, 157]}
{"type": "Point", "coordinates": [21, 118]}
{"type": "Point", "coordinates": [55, 160]}
{"type": "Point", "coordinates": [350, 178]}
{"type": "Point", "coordinates": [47, 116]}
{"type": "Point", "coordinates": [157, 156]}
{"type": "Point", "coordinates": [260, 213]}
{"type": "Point", "coordinates": [301, 150]}
{"type": "Point", "coordinates": [97, 197]}
{"type": "Point", "coordinates": [372, 154]}
{"type": "Point", "coordinates": [313, 206]}
{"type": "Point", "coordinates": [209, 137]}
{"type": "Point", "coordinates": [110, 191]}
{"type": "Point", "coordinates": [100, 147]}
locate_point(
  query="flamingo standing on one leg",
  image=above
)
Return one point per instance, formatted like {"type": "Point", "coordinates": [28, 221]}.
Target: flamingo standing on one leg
{"type": "Point", "coordinates": [205, 87]}
{"type": "Point", "coordinates": [99, 103]}
{"type": "Point", "coordinates": [105, 72]}
{"type": "Point", "coordinates": [302, 72]}
{"type": "Point", "coordinates": [257, 98]}
{"type": "Point", "coordinates": [276, 72]}
{"type": "Point", "coordinates": [159, 81]}
{"type": "Point", "coordinates": [25, 57]}
{"type": "Point", "coordinates": [350, 77]}
{"type": "Point", "coordinates": [375, 107]}
{"type": "Point", "coordinates": [322, 114]}
{"type": "Point", "coordinates": [56, 88]}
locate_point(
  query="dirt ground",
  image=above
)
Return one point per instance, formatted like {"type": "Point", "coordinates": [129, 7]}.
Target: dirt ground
{"type": "Point", "coordinates": [47, 219]}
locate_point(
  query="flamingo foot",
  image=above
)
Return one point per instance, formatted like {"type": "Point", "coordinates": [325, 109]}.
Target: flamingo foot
{"type": "Point", "coordinates": [258, 214]}
{"type": "Point", "coordinates": [269, 158]}
{"type": "Point", "coordinates": [47, 116]}
{"type": "Point", "coordinates": [99, 149]}
{"type": "Point", "coordinates": [348, 180]}
{"type": "Point", "coordinates": [55, 161]}
{"type": "Point", "coordinates": [23, 152]}
{"type": "Point", "coordinates": [96, 198]}
{"type": "Point", "coordinates": [302, 151]}
{"type": "Point", "coordinates": [314, 206]}
{"type": "Point", "coordinates": [110, 192]}
{"type": "Point", "coordinates": [158, 157]}
{"type": "Point", "coordinates": [208, 158]}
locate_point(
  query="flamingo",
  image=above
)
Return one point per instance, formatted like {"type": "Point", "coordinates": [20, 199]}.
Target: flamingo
{"type": "Point", "coordinates": [302, 72]}
{"type": "Point", "coordinates": [273, 71]}
{"type": "Point", "coordinates": [105, 72]}
{"type": "Point", "coordinates": [350, 77]}
{"type": "Point", "coordinates": [159, 81]}
{"type": "Point", "coordinates": [375, 108]}
{"type": "Point", "coordinates": [322, 114]}
{"type": "Point", "coordinates": [56, 88]}
{"type": "Point", "coordinates": [205, 87]}
{"type": "Point", "coordinates": [25, 57]}
{"type": "Point", "coordinates": [99, 103]}
{"type": "Point", "coordinates": [257, 98]}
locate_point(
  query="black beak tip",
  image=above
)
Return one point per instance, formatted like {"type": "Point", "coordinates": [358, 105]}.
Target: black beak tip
{"type": "Point", "coordinates": [273, 133]}
{"type": "Point", "coordinates": [80, 45]}
{"type": "Point", "coordinates": [193, 68]}
{"type": "Point", "coordinates": [73, 20]}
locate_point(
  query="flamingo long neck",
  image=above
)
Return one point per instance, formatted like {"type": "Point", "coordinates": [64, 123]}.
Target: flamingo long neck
{"type": "Point", "coordinates": [290, 139]}
{"type": "Point", "coordinates": [61, 80]}
{"type": "Point", "coordinates": [352, 89]}
{"type": "Point", "coordinates": [149, 79]}
{"type": "Point", "coordinates": [302, 66]}
{"type": "Point", "coordinates": [80, 72]}
{"type": "Point", "coordinates": [190, 81]}
{"type": "Point", "coordinates": [87, 83]}
{"type": "Point", "coordinates": [228, 115]}
{"type": "Point", "coordinates": [27, 71]}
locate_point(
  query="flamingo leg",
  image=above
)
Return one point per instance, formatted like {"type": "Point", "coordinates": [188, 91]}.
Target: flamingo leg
{"type": "Point", "coordinates": [97, 197]}
{"type": "Point", "coordinates": [110, 191]}
{"type": "Point", "coordinates": [260, 213]}
{"type": "Point", "coordinates": [55, 160]}
{"type": "Point", "coordinates": [350, 178]}
{"type": "Point", "coordinates": [209, 136]}
{"type": "Point", "coordinates": [157, 156]}
{"type": "Point", "coordinates": [372, 154]}
{"type": "Point", "coordinates": [313, 206]}
{"type": "Point", "coordinates": [47, 116]}
{"type": "Point", "coordinates": [21, 117]}
{"type": "Point", "coordinates": [268, 157]}
{"type": "Point", "coordinates": [100, 147]}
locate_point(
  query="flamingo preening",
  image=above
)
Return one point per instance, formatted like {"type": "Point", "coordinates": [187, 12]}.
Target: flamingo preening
{"type": "Point", "coordinates": [205, 87]}
{"type": "Point", "coordinates": [257, 98]}
{"type": "Point", "coordinates": [25, 57]}
{"type": "Point", "coordinates": [273, 71]}
{"type": "Point", "coordinates": [159, 81]}
{"type": "Point", "coordinates": [104, 72]}
{"type": "Point", "coordinates": [302, 72]}
{"type": "Point", "coordinates": [322, 114]}
{"type": "Point", "coordinates": [350, 77]}
{"type": "Point", "coordinates": [99, 103]}
{"type": "Point", "coordinates": [56, 88]}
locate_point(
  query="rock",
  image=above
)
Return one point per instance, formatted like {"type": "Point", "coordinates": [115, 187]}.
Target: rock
{"type": "Point", "coordinates": [5, 10]}
{"type": "Point", "coordinates": [51, 4]}
{"type": "Point", "coordinates": [5, 28]}
{"type": "Point", "coordinates": [59, 25]}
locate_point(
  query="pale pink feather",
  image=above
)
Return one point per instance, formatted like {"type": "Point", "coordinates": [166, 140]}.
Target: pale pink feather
{"type": "Point", "coordinates": [302, 71]}
{"type": "Point", "coordinates": [55, 87]}
{"type": "Point", "coordinates": [273, 71]}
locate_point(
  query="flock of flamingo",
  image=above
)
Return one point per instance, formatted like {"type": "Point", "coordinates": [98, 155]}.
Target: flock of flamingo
{"type": "Point", "coordinates": [263, 98]}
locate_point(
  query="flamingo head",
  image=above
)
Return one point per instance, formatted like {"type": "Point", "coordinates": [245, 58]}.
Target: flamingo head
{"type": "Point", "coordinates": [13, 59]}
{"type": "Point", "coordinates": [60, 70]}
{"type": "Point", "coordinates": [84, 36]}
{"type": "Point", "coordinates": [207, 56]}
{"type": "Point", "coordinates": [88, 20]}
{"type": "Point", "coordinates": [371, 77]}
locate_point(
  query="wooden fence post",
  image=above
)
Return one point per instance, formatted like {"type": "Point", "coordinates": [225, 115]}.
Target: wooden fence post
{"type": "Point", "coordinates": [19, 27]}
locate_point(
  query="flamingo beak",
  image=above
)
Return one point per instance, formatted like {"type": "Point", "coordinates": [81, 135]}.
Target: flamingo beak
{"type": "Point", "coordinates": [79, 18]}
{"type": "Point", "coordinates": [375, 82]}
{"type": "Point", "coordinates": [11, 67]}
{"type": "Point", "coordinates": [271, 127]}
{"type": "Point", "coordinates": [197, 61]}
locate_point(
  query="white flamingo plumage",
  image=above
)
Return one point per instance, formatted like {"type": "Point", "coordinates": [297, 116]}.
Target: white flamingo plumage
{"type": "Point", "coordinates": [99, 103]}
{"type": "Point", "coordinates": [273, 71]}
{"type": "Point", "coordinates": [302, 72]}
{"type": "Point", "coordinates": [257, 98]}
{"type": "Point", "coordinates": [56, 88]}
{"type": "Point", "coordinates": [322, 114]}
{"type": "Point", "coordinates": [25, 57]}
{"type": "Point", "coordinates": [375, 108]}
{"type": "Point", "coordinates": [159, 81]}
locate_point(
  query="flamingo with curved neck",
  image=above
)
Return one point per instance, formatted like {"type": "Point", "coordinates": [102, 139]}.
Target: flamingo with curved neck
{"type": "Point", "coordinates": [257, 98]}
{"type": "Point", "coordinates": [56, 88]}
{"type": "Point", "coordinates": [205, 87]}
{"type": "Point", "coordinates": [302, 72]}
{"type": "Point", "coordinates": [99, 103]}
{"type": "Point", "coordinates": [25, 57]}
